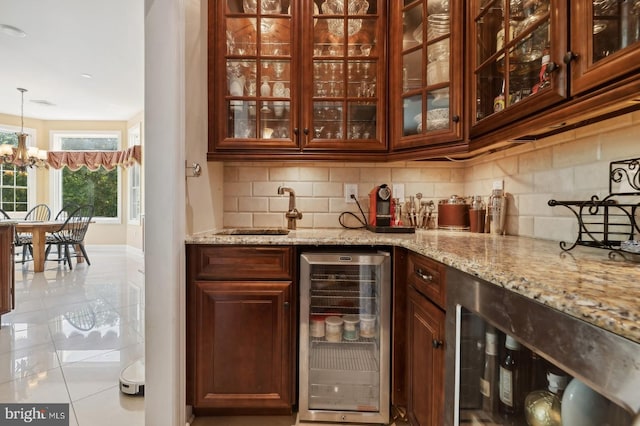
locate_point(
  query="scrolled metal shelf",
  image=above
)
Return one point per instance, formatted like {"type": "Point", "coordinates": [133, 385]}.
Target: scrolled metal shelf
{"type": "Point", "coordinates": [606, 223]}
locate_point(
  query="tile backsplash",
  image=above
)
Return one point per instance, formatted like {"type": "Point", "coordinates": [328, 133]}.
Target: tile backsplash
{"type": "Point", "coordinates": [569, 166]}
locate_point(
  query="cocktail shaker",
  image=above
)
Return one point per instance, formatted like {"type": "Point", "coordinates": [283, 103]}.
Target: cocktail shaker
{"type": "Point", "coordinates": [497, 212]}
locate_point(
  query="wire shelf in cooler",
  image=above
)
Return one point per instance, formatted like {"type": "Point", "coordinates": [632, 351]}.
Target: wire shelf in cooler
{"type": "Point", "coordinates": [343, 357]}
{"type": "Point", "coordinates": [343, 305]}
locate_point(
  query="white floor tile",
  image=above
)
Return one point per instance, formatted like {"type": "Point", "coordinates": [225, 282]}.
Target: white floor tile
{"type": "Point", "coordinates": [21, 363]}
{"type": "Point", "coordinates": [72, 333]}
{"type": "Point", "coordinates": [109, 408]}
{"type": "Point", "coordinates": [98, 373]}
{"type": "Point", "coordinates": [45, 387]}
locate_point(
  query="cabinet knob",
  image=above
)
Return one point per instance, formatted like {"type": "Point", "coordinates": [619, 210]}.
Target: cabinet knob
{"type": "Point", "coordinates": [425, 276]}
{"type": "Point", "coordinates": [305, 131]}
{"type": "Point", "coordinates": [286, 305]}
{"type": "Point", "coordinates": [551, 67]}
{"type": "Point", "coordinates": [437, 343]}
{"type": "Point", "coordinates": [455, 118]}
{"type": "Point", "coordinates": [569, 56]}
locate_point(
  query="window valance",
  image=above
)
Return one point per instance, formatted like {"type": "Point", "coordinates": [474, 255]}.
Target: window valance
{"type": "Point", "coordinates": [93, 160]}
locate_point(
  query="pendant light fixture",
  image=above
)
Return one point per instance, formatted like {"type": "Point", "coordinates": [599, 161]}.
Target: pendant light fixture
{"type": "Point", "coordinates": [21, 157]}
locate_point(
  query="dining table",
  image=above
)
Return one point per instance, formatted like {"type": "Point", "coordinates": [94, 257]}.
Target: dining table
{"type": "Point", "coordinates": [38, 231]}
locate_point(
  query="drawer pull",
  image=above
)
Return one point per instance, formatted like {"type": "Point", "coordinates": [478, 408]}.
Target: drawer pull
{"type": "Point", "coordinates": [437, 343]}
{"type": "Point", "coordinates": [424, 276]}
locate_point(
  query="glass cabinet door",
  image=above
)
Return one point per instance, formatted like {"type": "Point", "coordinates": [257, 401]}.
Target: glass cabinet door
{"type": "Point", "coordinates": [258, 84]}
{"type": "Point", "coordinates": [428, 62]}
{"type": "Point", "coordinates": [605, 41]}
{"type": "Point", "coordinates": [288, 75]}
{"type": "Point", "coordinates": [517, 60]}
{"type": "Point", "coordinates": [347, 76]}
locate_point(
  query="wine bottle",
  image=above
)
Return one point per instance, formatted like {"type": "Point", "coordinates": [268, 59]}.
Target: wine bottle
{"type": "Point", "coordinates": [511, 378]}
{"type": "Point", "coordinates": [489, 379]}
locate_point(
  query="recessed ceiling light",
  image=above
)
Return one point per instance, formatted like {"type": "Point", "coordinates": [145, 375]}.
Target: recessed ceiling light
{"type": "Point", "coordinates": [12, 31]}
{"type": "Point", "coordinates": [43, 102]}
{"type": "Point", "coordinates": [86, 75]}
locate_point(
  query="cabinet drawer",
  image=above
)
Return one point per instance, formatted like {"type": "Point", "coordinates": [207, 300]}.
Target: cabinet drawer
{"type": "Point", "coordinates": [427, 276]}
{"type": "Point", "coordinates": [243, 262]}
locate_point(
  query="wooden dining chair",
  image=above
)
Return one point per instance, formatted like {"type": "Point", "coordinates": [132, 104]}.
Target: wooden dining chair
{"type": "Point", "coordinates": [71, 233]}
{"type": "Point", "coordinates": [39, 212]}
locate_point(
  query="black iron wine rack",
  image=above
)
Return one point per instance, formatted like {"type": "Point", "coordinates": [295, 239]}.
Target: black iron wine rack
{"type": "Point", "coordinates": [608, 222]}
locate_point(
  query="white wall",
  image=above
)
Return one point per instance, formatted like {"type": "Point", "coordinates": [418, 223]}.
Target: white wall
{"type": "Point", "coordinates": [165, 212]}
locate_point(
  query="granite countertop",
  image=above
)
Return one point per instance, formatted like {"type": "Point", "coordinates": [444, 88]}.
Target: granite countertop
{"type": "Point", "coordinates": [586, 282]}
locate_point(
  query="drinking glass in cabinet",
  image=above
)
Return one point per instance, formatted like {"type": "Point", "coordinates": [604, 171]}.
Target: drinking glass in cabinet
{"type": "Point", "coordinates": [327, 120]}
{"type": "Point", "coordinates": [266, 6]}
{"type": "Point", "coordinates": [361, 120]}
{"type": "Point", "coordinates": [437, 6]}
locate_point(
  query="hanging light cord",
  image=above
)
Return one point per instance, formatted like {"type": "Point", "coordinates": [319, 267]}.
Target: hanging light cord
{"type": "Point", "coordinates": [22, 110]}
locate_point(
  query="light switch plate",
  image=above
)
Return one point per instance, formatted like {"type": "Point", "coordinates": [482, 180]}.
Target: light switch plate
{"type": "Point", "coordinates": [397, 191]}
{"type": "Point", "coordinates": [498, 184]}
{"type": "Point", "coordinates": [349, 189]}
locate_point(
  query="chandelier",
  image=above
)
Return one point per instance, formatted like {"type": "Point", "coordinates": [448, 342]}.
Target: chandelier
{"type": "Point", "coordinates": [21, 156]}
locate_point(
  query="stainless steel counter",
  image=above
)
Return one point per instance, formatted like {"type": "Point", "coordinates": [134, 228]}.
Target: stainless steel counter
{"type": "Point", "coordinates": [585, 283]}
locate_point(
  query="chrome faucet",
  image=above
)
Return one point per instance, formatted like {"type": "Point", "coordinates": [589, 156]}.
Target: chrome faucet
{"type": "Point", "coordinates": [293, 214]}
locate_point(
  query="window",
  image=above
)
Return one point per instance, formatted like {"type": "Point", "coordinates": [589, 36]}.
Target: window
{"type": "Point", "coordinates": [134, 192]}
{"type": "Point", "coordinates": [100, 188]}
{"type": "Point", "coordinates": [17, 189]}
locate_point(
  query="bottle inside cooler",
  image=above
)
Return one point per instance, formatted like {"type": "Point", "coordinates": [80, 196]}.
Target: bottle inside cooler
{"type": "Point", "coordinates": [531, 391]}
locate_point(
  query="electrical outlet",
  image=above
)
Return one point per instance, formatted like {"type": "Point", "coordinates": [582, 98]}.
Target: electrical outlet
{"type": "Point", "coordinates": [397, 191]}
{"type": "Point", "coordinates": [350, 189]}
{"type": "Point", "coordinates": [498, 184]}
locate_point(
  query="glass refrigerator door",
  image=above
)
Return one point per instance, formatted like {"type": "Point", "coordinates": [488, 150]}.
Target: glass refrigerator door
{"type": "Point", "coordinates": [502, 382]}
{"type": "Point", "coordinates": [344, 338]}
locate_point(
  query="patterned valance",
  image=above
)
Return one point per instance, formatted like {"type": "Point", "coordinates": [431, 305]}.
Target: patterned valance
{"type": "Point", "coordinates": [93, 160]}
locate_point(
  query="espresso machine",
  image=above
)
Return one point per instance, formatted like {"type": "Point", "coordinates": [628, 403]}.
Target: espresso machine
{"type": "Point", "coordinates": [381, 206]}
{"type": "Point", "coordinates": [382, 211]}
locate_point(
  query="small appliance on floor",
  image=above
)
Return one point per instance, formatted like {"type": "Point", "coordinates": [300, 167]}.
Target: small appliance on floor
{"type": "Point", "coordinates": [132, 378]}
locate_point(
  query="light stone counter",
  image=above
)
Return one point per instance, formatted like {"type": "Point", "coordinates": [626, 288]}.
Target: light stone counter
{"type": "Point", "coordinates": [585, 282]}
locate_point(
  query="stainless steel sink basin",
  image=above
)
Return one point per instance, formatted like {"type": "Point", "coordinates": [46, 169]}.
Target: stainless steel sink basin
{"type": "Point", "coordinates": [253, 231]}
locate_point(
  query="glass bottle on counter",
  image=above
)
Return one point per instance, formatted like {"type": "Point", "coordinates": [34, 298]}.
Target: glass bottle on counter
{"type": "Point", "coordinates": [490, 377]}
{"type": "Point", "coordinates": [513, 373]}
{"type": "Point", "coordinates": [542, 407]}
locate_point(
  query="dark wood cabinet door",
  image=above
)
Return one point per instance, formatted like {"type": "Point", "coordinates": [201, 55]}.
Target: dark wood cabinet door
{"type": "Point", "coordinates": [605, 42]}
{"type": "Point", "coordinates": [426, 73]}
{"type": "Point", "coordinates": [425, 355]}
{"type": "Point", "coordinates": [515, 60]}
{"type": "Point", "coordinates": [6, 269]}
{"type": "Point", "coordinates": [242, 341]}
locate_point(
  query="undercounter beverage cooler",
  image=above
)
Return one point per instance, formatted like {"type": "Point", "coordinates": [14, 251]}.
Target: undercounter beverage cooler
{"type": "Point", "coordinates": [345, 337]}
{"type": "Point", "coordinates": [516, 362]}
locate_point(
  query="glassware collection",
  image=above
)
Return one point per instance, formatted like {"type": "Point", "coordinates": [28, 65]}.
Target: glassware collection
{"type": "Point", "coordinates": [261, 69]}
{"type": "Point", "coordinates": [426, 43]}
{"type": "Point", "coordinates": [513, 51]}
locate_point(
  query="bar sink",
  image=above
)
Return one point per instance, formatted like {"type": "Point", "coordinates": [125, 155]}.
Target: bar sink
{"type": "Point", "coordinates": [253, 231]}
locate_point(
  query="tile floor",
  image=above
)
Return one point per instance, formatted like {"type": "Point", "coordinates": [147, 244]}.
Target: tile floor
{"type": "Point", "coordinates": [71, 334]}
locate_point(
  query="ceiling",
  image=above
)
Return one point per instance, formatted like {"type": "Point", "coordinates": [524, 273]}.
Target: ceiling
{"type": "Point", "coordinates": [65, 39]}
